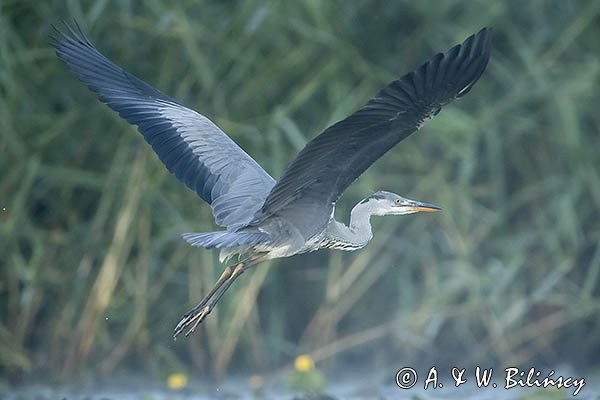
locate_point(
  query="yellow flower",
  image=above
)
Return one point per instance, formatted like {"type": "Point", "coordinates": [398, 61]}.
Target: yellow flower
{"type": "Point", "coordinates": [256, 382]}
{"type": "Point", "coordinates": [177, 381]}
{"type": "Point", "coordinates": [304, 363]}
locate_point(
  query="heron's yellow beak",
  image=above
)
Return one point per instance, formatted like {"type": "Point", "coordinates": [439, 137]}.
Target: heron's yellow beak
{"type": "Point", "coordinates": [419, 206]}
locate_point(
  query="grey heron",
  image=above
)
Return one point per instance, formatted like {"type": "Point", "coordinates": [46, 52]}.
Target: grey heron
{"type": "Point", "coordinates": [264, 218]}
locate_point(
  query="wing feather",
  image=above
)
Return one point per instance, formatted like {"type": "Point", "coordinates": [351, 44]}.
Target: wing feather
{"type": "Point", "coordinates": [191, 146]}
{"type": "Point", "coordinates": [329, 163]}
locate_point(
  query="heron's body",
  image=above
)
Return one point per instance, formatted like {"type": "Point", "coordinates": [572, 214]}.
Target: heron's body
{"type": "Point", "coordinates": [264, 218]}
{"type": "Point", "coordinates": [258, 239]}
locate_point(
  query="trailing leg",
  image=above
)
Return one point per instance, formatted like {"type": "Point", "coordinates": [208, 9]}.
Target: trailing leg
{"type": "Point", "coordinates": [196, 315]}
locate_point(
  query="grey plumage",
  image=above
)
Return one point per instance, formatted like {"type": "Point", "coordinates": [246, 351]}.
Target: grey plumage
{"type": "Point", "coordinates": [190, 145]}
{"type": "Point", "coordinates": [230, 243]}
{"type": "Point", "coordinates": [267, 219]}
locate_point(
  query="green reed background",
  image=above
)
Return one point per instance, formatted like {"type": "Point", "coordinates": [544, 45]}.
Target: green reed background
{"type": "Point", "coordinates": [94, 275]}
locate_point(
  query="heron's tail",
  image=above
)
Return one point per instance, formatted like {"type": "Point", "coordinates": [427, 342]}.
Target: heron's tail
{"type": "Point", "coordinates": [225, 239]}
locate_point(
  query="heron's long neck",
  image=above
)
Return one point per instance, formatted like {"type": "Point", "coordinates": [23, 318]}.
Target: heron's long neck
{"type": "Point", "coordinates": [358, 233]}
{"type": "Point", "coordinates": [355, 236]}
{"type": "Point", "coordinates": [360, 222]}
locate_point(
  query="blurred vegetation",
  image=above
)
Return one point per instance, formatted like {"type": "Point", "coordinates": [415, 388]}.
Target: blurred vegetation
{"type": "Point", "coordinates": [94, 275]}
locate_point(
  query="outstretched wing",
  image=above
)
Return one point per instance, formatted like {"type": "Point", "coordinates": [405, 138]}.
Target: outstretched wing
{"type": "Point", "coordinates": [200, 155]}
{"type": "Point", "coordinates": [333, 160]}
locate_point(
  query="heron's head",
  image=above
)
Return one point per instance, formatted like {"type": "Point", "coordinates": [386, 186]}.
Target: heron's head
{"type": "Point", "coordinates": [387, 203]}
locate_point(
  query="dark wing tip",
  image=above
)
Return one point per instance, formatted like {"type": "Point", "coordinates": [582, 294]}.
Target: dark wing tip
{"type": "Point", "coordinates": [450, 75]}
{"type": "Point", "coordinates": [476, 51]}
{"type": "Point", "coordinates": [63, 32]}
{"type": "Point", "coordinates": [444, 78]}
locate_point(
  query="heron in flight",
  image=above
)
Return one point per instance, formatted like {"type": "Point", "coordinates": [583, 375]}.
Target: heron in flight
{"type": "Point", "coordinates": [264, 218]}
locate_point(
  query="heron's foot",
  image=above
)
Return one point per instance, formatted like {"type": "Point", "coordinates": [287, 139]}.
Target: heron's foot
{"type": "Point", "coordinates": [192, 318]}
{"type": "Point", "coordinates": [198, 313]}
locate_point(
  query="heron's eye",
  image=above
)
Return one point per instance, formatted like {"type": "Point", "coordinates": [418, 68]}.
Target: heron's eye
{"type": "Point", "coordinates": [397, 201]}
